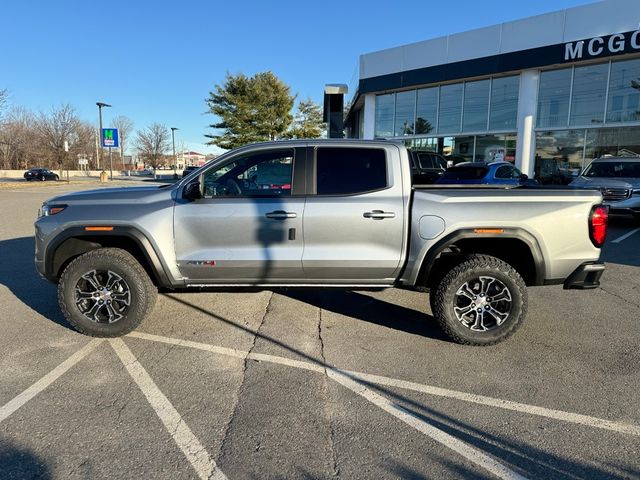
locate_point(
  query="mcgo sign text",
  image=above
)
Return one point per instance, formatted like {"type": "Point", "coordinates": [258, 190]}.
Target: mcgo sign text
{"type": "Point", "coordinates": [602, 46]}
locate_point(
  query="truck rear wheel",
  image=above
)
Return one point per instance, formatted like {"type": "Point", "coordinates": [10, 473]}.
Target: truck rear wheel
{"type": "Point", "coordinates": [106, 293]}
{"type": "Point", "coordinates": [481, 301]}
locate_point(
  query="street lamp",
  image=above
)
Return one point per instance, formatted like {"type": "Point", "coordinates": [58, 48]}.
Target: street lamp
{"type": "Point", "coordinates": [100, 155]}
{"type": "Point", "coordinates": [173, 139]}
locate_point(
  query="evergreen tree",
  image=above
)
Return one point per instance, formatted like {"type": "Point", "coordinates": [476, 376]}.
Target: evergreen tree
{"type": "Point", "coordinates": [250, 109]}
{"type": "Point", "coordinates": [308, 121]}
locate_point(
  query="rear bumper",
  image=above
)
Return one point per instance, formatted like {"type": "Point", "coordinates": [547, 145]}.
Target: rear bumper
{"type": "Point", "coordinates": [584, 277]}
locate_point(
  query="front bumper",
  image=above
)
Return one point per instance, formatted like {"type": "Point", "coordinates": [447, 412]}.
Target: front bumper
{"type": "Point", "coordinates": [584, 277]}
{"type": "Point", "coordinates": [629, 206]}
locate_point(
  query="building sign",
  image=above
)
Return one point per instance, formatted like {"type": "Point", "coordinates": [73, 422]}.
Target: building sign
{"type": "Point", "coordinates": [607, 46]}
{"type": "Point", "coordinates": [110, 137]}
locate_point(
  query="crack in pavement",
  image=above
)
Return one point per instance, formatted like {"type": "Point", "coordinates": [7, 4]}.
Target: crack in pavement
{"type": "Point", "coordinates": [325, 391]}
{"type": "Point", "coordinates": [619, 296]}
{"type": "Point", "coordinates": [229, 425]}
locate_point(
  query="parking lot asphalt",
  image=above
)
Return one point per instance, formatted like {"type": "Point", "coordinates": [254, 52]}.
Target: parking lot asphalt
{"type": "Point", "coordinates": [302, 383]}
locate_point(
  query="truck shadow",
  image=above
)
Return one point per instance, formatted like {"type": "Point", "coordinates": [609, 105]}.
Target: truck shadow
{"type": "Point", "coordinates": [370, 309]}
{"type": "Point", "coordinates": [17, 462]}
{"type": "Point", "coordinates": [18, 273]}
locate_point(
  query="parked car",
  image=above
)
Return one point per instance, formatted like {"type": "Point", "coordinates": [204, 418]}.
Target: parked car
{"type": "Point", "coordinates": [618, 179]}
{"type": "Point", "coordinates": [188, 169]}
{"type": "Point", "coordinates": [477, 173]}
{"type": "Point", "coordinates": [427, 167]}
{"type": "Point", "coordinates": [340, 213]}
{"type": "Point", "coordinates": [41, 174]}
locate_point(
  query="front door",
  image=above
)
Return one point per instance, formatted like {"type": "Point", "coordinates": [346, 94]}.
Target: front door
{"type": "Point", "coordinates": [247, 227]}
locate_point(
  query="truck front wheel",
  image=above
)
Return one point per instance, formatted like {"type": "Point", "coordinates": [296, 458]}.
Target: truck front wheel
{"type": "Point", "coordinates": [481, 301]}
{"type": "Point", "coordinates": [106, 293]}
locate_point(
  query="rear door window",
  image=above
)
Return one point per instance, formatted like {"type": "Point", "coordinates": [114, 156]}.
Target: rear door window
{"type": "Point", "coordinates": [350, 171]}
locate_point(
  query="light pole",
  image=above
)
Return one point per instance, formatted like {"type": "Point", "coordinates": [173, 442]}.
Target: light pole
{"type": "Point", "coordinates": [100, 105]}
{"type": "Point", "coordinates": [173, 140]}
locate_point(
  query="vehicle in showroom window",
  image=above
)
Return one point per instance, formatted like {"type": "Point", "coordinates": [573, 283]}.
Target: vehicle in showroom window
{"type": "Point", "coordinates": [618, 179]}
{"type": "Point", "coordinates": [321, 213]}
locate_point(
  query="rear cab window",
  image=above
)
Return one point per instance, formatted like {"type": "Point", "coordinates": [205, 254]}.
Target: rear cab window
{"type": "Point", "coordinates": [350, 171]}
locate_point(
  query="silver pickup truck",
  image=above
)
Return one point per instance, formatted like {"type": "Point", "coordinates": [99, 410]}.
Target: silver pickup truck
{"type": "Point", "coordinates": [320, 213]}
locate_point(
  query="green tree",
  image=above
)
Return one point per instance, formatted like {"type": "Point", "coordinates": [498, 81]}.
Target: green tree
{"type": "Point", "coordinates": [250, 109]}
{"type": "Point", "coordinates": [307, 122]}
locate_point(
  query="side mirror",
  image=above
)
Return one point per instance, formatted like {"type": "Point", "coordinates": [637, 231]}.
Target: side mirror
{"type": "Point", "coordinates": [192, 191]}
{"type": "Point", "coordinates": [524, 177]}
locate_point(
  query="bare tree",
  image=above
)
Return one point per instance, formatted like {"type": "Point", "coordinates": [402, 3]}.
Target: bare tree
{"type": "Point", "coordinates": [4, 99]}
{"type": "Point", "coordinates": [56, 127]}
{"type": "Point", "coordinates": [124, 126]}
{"type": "Point", "coordinates": [153, 143]}
{"type": "Point", "coordinates": [19, 139]}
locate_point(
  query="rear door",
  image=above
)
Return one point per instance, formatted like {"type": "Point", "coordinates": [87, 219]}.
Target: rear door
{"type": "Point", "coordinates": [247, 228]}
{"type": "Point", "coordinates": [354, 215]}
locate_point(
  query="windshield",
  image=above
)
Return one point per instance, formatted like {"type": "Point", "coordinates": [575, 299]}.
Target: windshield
{"type": "Point", "coordinates": [465, 173]}
{"type": "Point", "coordinates": [429, 160]}
{"type": "Point", "coordinates": [613, 169]}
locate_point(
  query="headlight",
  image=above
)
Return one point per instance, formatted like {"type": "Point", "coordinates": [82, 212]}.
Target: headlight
{"type": "Point", "coordinates": [48, 210]}
{"type": "Point", "coordinates": [636, 192]}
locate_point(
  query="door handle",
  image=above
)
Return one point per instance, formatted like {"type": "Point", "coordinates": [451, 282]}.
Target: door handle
{"type": "Point", "coordinates": [280, 215]}
{"type": "Point", "coordinates": [378, 214]}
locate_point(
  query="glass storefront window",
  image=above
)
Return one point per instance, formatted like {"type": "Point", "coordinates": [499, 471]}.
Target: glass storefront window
{"type": "Point", "coordinates": [462, 149]}
{"type": "Point", "coordinates": [504, 103]}
{"type": "Point", "coordinates": [450, 108]}
{"type": "Point", "coordinates": [476, 106]}
{"type": "Point", "coordinates": [558, 156]}
{"type": "Point", "coordinates": [385, 106]}
{"type": "Point", "coordinates": [490, 148]}
{"type": "Point", "coordinates": [589, 93]}
{"type": "Point", "coordinates": [553, 98]}
{"type": "Point", "coordinates": [619, 142]}
{"type": "Point", "coordinates": [427, 110]}
{"type": "Point", "coordinates": [624, 92]}
{"type": "Point", "coordinates": [405, 113]}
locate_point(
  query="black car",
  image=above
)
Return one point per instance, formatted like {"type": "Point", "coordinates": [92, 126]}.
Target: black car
{"type": "Point", "coordinates": [188, 169]}
{"type": "Point", "coordinates": [41, 174]}
{"type": "Point", "coordinates": [426, 167]}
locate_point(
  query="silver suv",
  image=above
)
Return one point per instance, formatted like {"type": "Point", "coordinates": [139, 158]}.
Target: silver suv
{"type": "Point", "coordinates": [618, 179]}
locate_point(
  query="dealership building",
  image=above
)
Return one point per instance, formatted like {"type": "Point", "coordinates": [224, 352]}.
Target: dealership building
{"type": "Point", "coordinates": [549, 92]}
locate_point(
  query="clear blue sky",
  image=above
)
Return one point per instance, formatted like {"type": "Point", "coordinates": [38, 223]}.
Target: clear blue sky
{"type": "Point", "coordinates": [157, 60]}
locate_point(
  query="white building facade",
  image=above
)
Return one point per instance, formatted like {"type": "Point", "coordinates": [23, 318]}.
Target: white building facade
{"type": "Point", "coordinates": [548, 93]}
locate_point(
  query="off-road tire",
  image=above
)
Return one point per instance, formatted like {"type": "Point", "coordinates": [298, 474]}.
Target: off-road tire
{"type": "Point", "coordinates": [443, 298]}
{"type": "Point", "coordinates": [143, 292]}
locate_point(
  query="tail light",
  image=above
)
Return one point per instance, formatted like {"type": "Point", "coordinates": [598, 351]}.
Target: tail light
{"type": "Point", "coordinates": [598, 220]}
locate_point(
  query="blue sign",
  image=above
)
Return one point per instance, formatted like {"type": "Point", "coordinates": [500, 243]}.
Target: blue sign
{"type": "Point", "coordinates": [110, 137]}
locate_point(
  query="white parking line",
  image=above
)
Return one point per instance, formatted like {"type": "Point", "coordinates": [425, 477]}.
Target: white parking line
{"type": "Point", "coordinates": [14, 404]}
{"type": "Point", "coordinates": [569, 417]}
{"type": "Point", "coordinates": [470, 453]}
{"type": "Point", "coordinates": [625, 236]}
{"type": "Point", "coordinates": [344, 378]}
{"type": "Point", "coordinates": [203, 464]}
